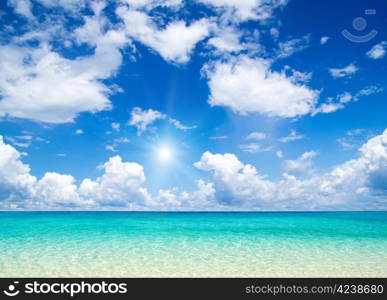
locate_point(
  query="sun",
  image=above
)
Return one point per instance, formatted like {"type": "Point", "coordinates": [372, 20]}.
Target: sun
{"type": "Point", "coordinates": [164, 153]}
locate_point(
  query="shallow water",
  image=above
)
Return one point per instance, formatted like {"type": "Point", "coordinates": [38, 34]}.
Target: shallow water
{"type": "Point", "coordinates": [140, 244]}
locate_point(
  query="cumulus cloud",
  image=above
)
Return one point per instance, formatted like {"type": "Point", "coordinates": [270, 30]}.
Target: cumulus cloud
{"type": "Point", "coordinates": [120, 186]}
{"type": "Point", "coordinates": [56, 190]}
{"type": "Point", "coordinates": [15, 179]}
{"type": "Point", "coordinates": [226, 40]}
{"type": "Point", "coordinates": [203, 198]}
{"type": "Point", "coordinates": [120, 183]}
{"type": "Point", "coordinates": [357, 184]}
{"type": "Point", "coordinates": [301, 165]}
{"type": "Point", "coordinates": [248, 85]}
{"type": "Point", "coordinates": [378, 51]}
{"type": "Point", "coordinates": [38, 83]}
{"type": "Point", "coordinates": [235, 183]}
{"type": "Point", "coordinates": [174, 43]}
{"type": "Point", "coordinates": [344, 72]}
{"type": "Point", "coordinates": [48, 88]}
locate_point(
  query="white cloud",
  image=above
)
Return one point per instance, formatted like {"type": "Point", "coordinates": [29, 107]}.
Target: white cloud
{"type": "Point", "coordinates": [243, 10]}
{"type": "Point", "coordinates": [256, 136]}
{"type": "Point", "coordinates": [226, 40]}
{"type": "Point", "coordinates": [117, 141]}
{"type": "Point", "coordinates": [22, 7]}
{"type": "Point", "coordinates": [64, 4]}
{"type": "Point", "coordinates": [346, 145]}
{"type": "Point", "coordinates": [327, 108]}
{"type": "Point", "coordinates": [293, 136]}
{"type": "Point", "coordinates": [174, 43]}
{"type": "Point", "coordinates": [235, 183]}
{"type": "Point", "coordinates": [25, 87]}
{"type": "Point", "coordinates": [378, 51]}
{"type": "Point", "coordinates": [200, 199]}
{"type": "Point", "coordinates": [150, 4]}
{"type": "Point", "coordinates": [25, 137]}
{"type": "Point", "coordinates": [119, 185]}
{"type": "Point", "coordinates": [15, 180]}
{"type": "Point", "coordinates": [141, 119]}
{"type": "Point", "coordinates": [18, 142]}
{"type": "Point", "coordinates": [180, 126]}
{"type": "Point", "coordinates": [324, 40]}
{"type": "Point", "coordinates": [116, 126]}
{"type": "Point", "coordinates": [121, 140]}
{"type": "Point", "coordinates": [79, 132]}
{"type": "Point", "coordinates": [345, 98]}
{"type": "Point", "coordinates": [290, 47]}
{"type": "Point", "coordinates": [248, 85]}
{"type": "Point", "coordinates": [301, 165]}
{"type": "Point", "coordinates": [24, 141]}
{"type": "Point", "coordinates": [353, 138]}
{"type": "Point", "coordinates": [274, 32]}
{"type": "Point", "coordinates": [111, 148]}
{"type": "Point", "coordinates": [343, 72]}
{"type": "Point", "coordinates": [356, 184]}
{"type": "Point", "coordinates": [253, 148]}
{"type": "Point", "coordinates": [38, 83]}
{"type": "Point", "coordinates": [369, 90]}
{"type": "Point", "coordinates": [355, 132]}
{"type": "Point", "coordinates": [55, 190]}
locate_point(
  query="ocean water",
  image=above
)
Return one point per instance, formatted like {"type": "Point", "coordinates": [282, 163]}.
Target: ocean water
{"type": "Point", "coordinates": [150, 244]}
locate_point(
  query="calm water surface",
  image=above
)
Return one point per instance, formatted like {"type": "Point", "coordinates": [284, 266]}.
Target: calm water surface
{"type": "Point", "coordinates": [141, 244]}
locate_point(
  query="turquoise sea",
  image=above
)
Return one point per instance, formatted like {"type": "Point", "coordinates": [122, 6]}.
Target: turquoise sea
{"type": "Point", "coordinates": [229, 244]}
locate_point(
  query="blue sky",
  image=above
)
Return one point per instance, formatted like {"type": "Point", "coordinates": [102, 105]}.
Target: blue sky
{"type": "Point", "coordinates": [193, 105]}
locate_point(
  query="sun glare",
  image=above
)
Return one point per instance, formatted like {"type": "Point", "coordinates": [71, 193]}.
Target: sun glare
{"type": "Point", "coordinates": [165, 153]}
